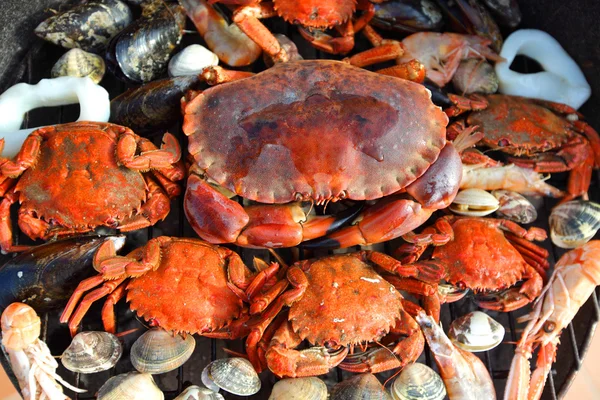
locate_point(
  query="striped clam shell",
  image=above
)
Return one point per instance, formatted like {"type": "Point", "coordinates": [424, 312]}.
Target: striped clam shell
{"type": "Point", "coordinates": [360, 387]}
{"type": "Point", "coordinates": [514, 207]}
{"type": "Point", "coordinates": [574, 223]}
{"type": "Point", "coordinates": [418, 382]}
{"type": "Point", "coordinates": [474, 203]}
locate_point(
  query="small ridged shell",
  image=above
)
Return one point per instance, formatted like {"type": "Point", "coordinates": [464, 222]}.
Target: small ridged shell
{"type": "Point", "coordinates": [197, 393]}
{"type": "Point", "coordinates": [158, 351]}
{"type": "Point", "coordinates": [515, 207]}
{"type": "Point", "coordinates": [130, 386]}
{"type": "Point", "coordinates": [91, 352]}
{"type": "Point", "coordinates": [234, 375]}
{"type": "Point", "coordinates": [475, 76]}
{"type": "Point", "coordinates": [476, 332]}
{"type": "Point", "coordinates": [474, 203]}
{"type": "Point", "coordinates": [418, 382]}
{"type": "Point", "coordinates": [360, 387]}
{"type": "Point", "coordinates": [192, 60]}
{"type": "Point", "coordinates": [574, 223]}
{"type": "Point", "coordinates": [299, 389]}
{"type": "Point", "coordinates": [79, 63]}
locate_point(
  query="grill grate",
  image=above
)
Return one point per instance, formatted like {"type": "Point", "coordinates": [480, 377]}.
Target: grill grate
{"type": "Point", "coordinates": [497, 361]}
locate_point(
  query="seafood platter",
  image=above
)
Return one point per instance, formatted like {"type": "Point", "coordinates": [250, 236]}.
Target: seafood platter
{"type": "Point", "coordinates": [372, 199]}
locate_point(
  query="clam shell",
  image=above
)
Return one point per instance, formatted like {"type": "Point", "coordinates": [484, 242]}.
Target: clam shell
{"type": "Point", "coordinates": [475, 76]}
{"type": "Point", "coordinates": [474, 203]}
{"type": "Point", "coordinates": [130, 386]}
{"type": "Point", "coordinates": [418, 382]}
{"type": "Point", "coordinates": [158, 351]}
{"type": "Point", "coordinates": [234, 375]}
{"type": "Point", "coordinates": [79, 63]}
{"type": "Point", "coordinates": [192, 60]}
{"type": "Point", "coordinates": [476, 332]}
{"type": "Point", "coordinates": [514, 207]}
{"type": "Point", "coordinates": [360, 387]}
{"type": "Point", "coordinates": [197, 393]}
{"type": "Point", "coordinates": [574, 223]}
{"type": "Point", "coordinates": [299, 389]}
{"type": "Point", "coordinates": [91, 352]}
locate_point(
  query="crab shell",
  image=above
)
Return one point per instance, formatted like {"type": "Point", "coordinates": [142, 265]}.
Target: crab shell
{"type": "Point", "coordinates": [315, 13]}
{"type": "Point", "coordinates": [314, 130]}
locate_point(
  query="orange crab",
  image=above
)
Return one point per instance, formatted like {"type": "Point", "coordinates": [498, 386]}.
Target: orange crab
{"type": "Point", "coordinates": [181, 285]}
{"type": "Point", "coordinates": [74, 177]}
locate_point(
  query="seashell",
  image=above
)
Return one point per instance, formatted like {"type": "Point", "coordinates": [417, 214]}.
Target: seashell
{"type": "Point", "coordinates": [507, 12]}
{"type": "Point", "coordinates": [475, 76]}
{"type": "Point", "coordinates": [77, 62]}
{"type": "Point", "coordinates": [418, 382]}
{"type": "Point", "coordinates": [514, 207]}
{"type": "Point", "coordinates": [310, 388]}
{"type": "Point", "coordinates": [408, 16]}
{"type": "Point", "coordinates": [574, 223]}
{"type": "Point", "coordinates": [474, 203]}
{"type": "Point", "coordinates": [158, 351]}
{"type": "Point", "coordinates": [192, 60]}
{"type": "Point", "coordinates": [234, 375]}
{"type": "Point", "coordinates": [91, 352]}
{"type": "Point", "coordinates": [360, 387]}
{"type": "Point", "coordinates": [197, 393]}
{"type": "Point", "coordinates": [476, 332]}
{"type": "Point", "coordinates": [88, 26]}
{"type": "Point", "coordinates": [130, 386]}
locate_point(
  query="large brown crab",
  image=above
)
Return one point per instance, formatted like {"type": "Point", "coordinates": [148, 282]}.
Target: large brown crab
{"type": "Point", "coordinates": [315, 131]}
{"type": "Point", "coordinates": [74, 177]}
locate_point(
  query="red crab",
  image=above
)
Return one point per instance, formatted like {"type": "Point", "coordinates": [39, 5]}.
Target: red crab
{"type": "Point", "coordinates": [487, 256]}
{"type": "Point", "coordinates": [74, 177]}
{"type": "Point", "coordinates": [182, 285]}
{"type": "Point", "coordinates": [545, 136]}
{"type": "Point", "coordinates": [315, 131]}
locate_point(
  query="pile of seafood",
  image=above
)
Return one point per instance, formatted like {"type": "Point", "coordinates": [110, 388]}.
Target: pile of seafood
{"type": "Point", "coordinates": [401, 170]}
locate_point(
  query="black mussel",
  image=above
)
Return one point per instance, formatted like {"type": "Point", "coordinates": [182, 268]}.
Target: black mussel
{"type": "Point", "coordinates": [89, 26]}
{"type": "Point", "coordinates": [439, 97]}
{"type": "Point", "coordinates": [45, 276]}
{"type": "Point", "coordinates": [153, 106]}
{"type": "Point", "coordinates": [507, 12]}
{"type": "Point", "coordinates": [141, 52]}
{"type": "Point", "coordinates": [408, 16]}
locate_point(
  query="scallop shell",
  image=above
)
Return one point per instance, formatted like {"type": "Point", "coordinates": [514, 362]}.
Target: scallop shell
{"type": "Point", "coordinates": [476, 332]}
{"type": "Point", "coordinates": [197, 393]}
{"type": "Point", "coordinates": [192, 60]}
{"type": "Point", "coordinates": [299, 389]}
{"type": "Point", "coordinates": [574, 223]}
{"type": "Point", "coordinates": [91, 352]}
{"type": "Point", "coordinates": [234, 375]}
{"type": "Point", "coordinates": [475, 76]}
{"type": "Point", "coordinates": [158, 351]}
{"type": "Point", "coordinates": [514, 207]}
{"type": "Point", "coordinates": [130, 386]}
{"type": "Point", "coordinates": [418, 382]}
{"type": "Point", "coordinates": [360, 387]}
{"type": "Point", "coordinates": [474, 203]}
{"type": "Point", "coordinates": [79, 63]}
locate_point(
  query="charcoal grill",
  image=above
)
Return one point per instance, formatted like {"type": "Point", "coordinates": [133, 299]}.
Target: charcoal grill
{"type": "Point", "coordinates": [569, 22]}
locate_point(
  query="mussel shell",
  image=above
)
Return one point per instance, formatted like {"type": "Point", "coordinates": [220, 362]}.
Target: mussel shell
{"type": "Point", "coordinates": [474, 203]}
{"type": "Point", "coordinates": [91, 352]}
{"type": "Point", "coordinates": [158, 351]}
{"type": "Point", "coordinates": [476, 332]}
{"type": "Point", "coordinates": [130, 386]}
{"type": "Point", "coordinates": [408, 16]}
{"type": "Point", "coordinates": [574, 223]}
{"type": "Point", "coordinates": [515, 207]}
{"type": "Point", "coordinates": [360, 387]}
{"type": "Point", "coordinates": [140, 52]}
{"type": "Point", "coordinates": [475, 76]}
{"type": "Point", "coordinates": [192, 60]}
{"type": "Point", "coordinates": [234, 375]}
{"type": "Point", "coordinates": [310, 388]}
{"type": "Point", "coordinates": [197, 393]}
{"type": "Point", "coordinates": [418, 382]}
{"type": "Point", "coordinates": [507, 12]}
{"type": "Point", "coordinates": [79, 63]}
{"type": "Point", "coordinates": [88, 26]}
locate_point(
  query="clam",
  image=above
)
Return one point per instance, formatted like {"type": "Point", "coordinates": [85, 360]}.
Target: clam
{"type": "Point", "coordinates": [299, 389]}
{"type": "Point", "coordinates": [158, 351]}
{"type": "Point", "coordinates": [234, 375]}
{"type": "Point", "coordinates": [476, 332]}
{"type": "Point", "coordinates": [418, 382]}
{"type": "Point", "coordinates": [192, 60]}
{"type": "Point", "coordinates": [197, 393]}
{"type": "Point", "coordinates": [130, 386]}
{"type": "Point", "coordinates": [475, 76]}
{"type": "Point", "coordinates": [360, 387]}
{"type": "Point", "coordinates": [574, 223]}
{"type": "Point", "coordinates": [474, 203]}
{"type": "Point", "coordinates": [91, 352]}
{"type": "Point", "coordinates": [77, 62]}
{"type": "Point", "coordinates": [514, 207]}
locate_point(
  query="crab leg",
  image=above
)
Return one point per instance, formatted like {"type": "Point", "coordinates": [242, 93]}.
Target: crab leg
{"type": "Point", "coordinates": [247, 19]}
{"type": "Point", "coordinates": [515, 298]}
{"type": "Point", "coordinates": [215, 75]}
{"type": "Point", "coordinates": [6, 232]}
{"type": "Point", "coordinates": [156, 208]}
{"type": "Point", "coordinates": [108, 309]}
{"type": "Point", "coordinates": [150, 157]}
{"type": "Point", "coordinates": [25, 158]}
{"type": "Point", "coordinates": [427, 271]}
